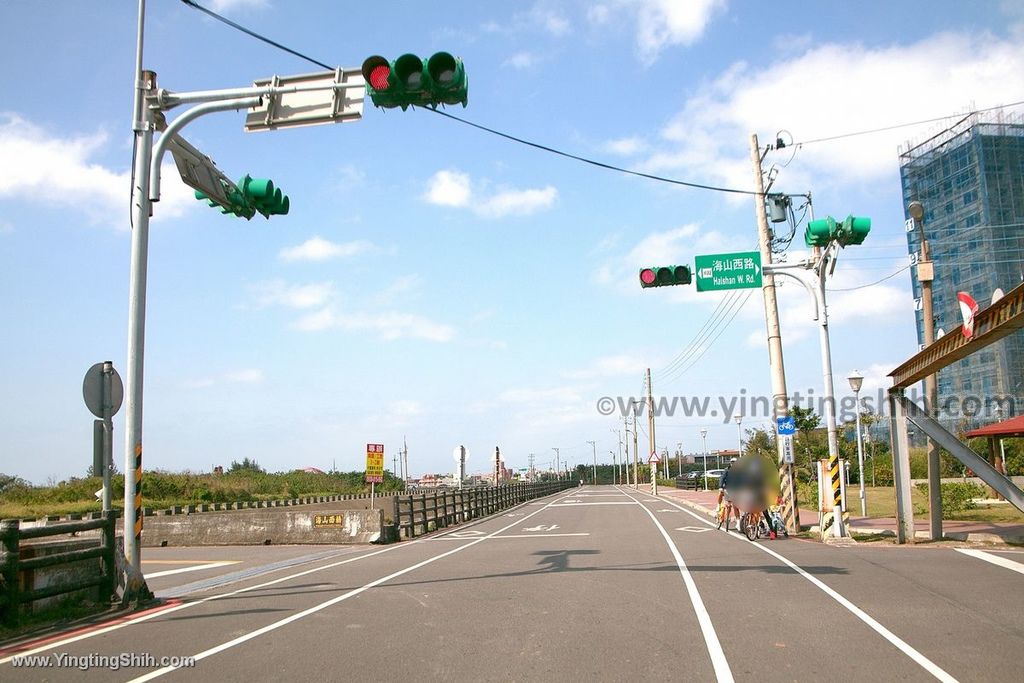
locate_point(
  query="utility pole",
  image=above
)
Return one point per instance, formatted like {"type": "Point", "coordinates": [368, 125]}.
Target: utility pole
{"type": "Point", "coordinates": [625, 463]}
{"type": "Point", "coordinates": [636, 457]}
{"type": "Point", "coordinates": [780, 397]}
{"type": "Point", "coordinates": [531, 474]}
{"type": "Point", "coordinates": [679, 459]}
{"type": "Point", "coordinates": [925, 275]}
{"type": "Point", "coordinates": [405, 462]}
{"type": "Point", "coordinates": [593, 444]}
{"type": "Point", "coordinates": [650, 425]}
{"type": "Point", "coordinates": [558, 472]}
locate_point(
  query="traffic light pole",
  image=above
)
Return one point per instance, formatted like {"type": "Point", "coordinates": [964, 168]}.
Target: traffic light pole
{"type": "Point", "coordinates": [811, 274]}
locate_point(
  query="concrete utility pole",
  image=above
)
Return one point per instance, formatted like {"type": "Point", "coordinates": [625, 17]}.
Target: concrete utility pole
{"type": "Point", "coordinates": [679, 459]}
{"type": "Point", "coordinates": [625, 463]}
{"type": "Point", "coordinates": [530, 474]}
{"type": "Point", "coordinates": [925, 275]}
{"type": "Point", "coordinates": [593, 445]}
{"type": "Point", "coordinates": [636, 447]}
{"type": "Point", "coordinates": [558, 472]}
{"type": "Point", "coordinates": [780, 397]}
{"type": "Point", "coordinates": [650, 413]}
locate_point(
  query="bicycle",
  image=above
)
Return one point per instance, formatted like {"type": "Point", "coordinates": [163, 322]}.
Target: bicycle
{"type": "Point", "coordinates": [754, 526]}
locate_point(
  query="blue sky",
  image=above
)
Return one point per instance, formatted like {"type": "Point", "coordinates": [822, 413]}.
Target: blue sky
{"type": "Point", "coordinates": [433, 281]}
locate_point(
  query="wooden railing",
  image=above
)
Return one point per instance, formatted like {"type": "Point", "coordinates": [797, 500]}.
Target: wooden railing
{"type": "Point", "coordinates": [425, 512]}
{"type": "Point", "coordinates": [12, 597]}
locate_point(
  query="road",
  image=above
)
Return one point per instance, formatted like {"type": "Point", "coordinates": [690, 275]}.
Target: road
{"type": "Point", "coordinates": [599, 583]}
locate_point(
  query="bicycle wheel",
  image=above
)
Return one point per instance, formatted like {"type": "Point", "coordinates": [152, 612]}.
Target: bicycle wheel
{"type": "Point", "coordinates": [753, 530]}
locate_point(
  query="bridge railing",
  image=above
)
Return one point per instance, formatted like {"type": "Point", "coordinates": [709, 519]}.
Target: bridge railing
{"type": "Point", "coordinates": [14, 567]}
{"type": "Point", "coordinates": [422, 513]}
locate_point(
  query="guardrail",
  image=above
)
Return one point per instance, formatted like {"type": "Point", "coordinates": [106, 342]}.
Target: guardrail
{"type": "Point", "coordinates": [12, 597]}
{"type": "Point", "coordinates": [423, 513]}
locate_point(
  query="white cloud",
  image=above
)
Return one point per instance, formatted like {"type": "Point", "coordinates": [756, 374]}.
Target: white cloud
{"type": "Point", "coordinates": [388, 325]}
{"type": "Point", "coordinates": [543, 397]}
{"type": "Point", "coordinates": [626, 147]}
{"type": "Point", "coordinates": [448, 188]}
{"type": "Point", "coordinates": [453, 188]}
{"type": "Point", "coordinates": [610, 366]}
{"type": "Point", "coordinates": [226, 6]}
{"type": "Point", "coordinates": [280, 293]}
{"type": "Point", "coordinates": [521, 60]}
{"type": "Point", "coordinates": [245, 376]}
{"type": "Point", "coordinates": [941, 74]}
{"type": "Point", "coordinates": [318, 249]}
{"type": "Point", "coordinates": [50, 169]}
{"type": "Point", "coordinates": [660, 23]}
{"type": "Point", "coordinates": [517, 202]}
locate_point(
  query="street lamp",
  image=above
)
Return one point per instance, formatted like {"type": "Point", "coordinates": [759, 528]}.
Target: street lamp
{"type": "Point", "coordinates": [739, 436]}
{"type": "Point", "coordinates": [856, 381]}
{"type": "Point", "coordinates": [704, 440]}
{"type": "Point", "coordinates": [679, 459]}
{"type": "Point", "coordinates": [593, 444]}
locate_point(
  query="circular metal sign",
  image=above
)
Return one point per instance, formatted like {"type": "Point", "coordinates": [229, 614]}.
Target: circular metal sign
{"type": "Point", "coordinates": [92, 390]}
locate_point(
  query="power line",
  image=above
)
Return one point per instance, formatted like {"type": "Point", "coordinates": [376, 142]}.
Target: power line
{"type": "Point", "coordinates": [710, 344]}
{"type": "Point", "coordinates": [513, 138]}
{"type": "Point", "coordinates": [255, 35]}
{"type": "Point", "coordinates": [901, 125]}
{"type": "Point", "coordinates": [872, 284]}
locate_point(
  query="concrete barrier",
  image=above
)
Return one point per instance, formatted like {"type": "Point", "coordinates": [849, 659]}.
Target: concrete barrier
{"type": "Point", "coordinates": [262, 527]}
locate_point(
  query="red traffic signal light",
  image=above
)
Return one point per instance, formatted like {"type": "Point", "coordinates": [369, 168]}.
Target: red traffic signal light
{"type": "Point", "coordinates": [665, 276]}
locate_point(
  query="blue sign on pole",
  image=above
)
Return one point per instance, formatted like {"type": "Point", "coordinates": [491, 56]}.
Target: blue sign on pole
{"type": "Point", "coordinates": [786, 425]}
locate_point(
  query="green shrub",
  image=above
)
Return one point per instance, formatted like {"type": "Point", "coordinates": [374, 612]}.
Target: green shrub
{"type": "Point", "coordinates": [956, 496]}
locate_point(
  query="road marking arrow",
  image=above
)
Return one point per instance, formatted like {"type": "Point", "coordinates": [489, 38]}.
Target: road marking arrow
{"type": "Point", "coordinates": [695, 529]}
{"type": "Point", "coordinates": [541, 527]}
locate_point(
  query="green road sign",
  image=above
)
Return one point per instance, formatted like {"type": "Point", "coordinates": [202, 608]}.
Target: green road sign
{"type": "Point", "coordinates": [741, 270]}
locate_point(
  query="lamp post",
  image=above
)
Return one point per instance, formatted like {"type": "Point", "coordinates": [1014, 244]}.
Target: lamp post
{"type": "Point", "coordinates": [739, 436]}
{"type": "Point", "coordinates": [679, 459]}
{"type": "Point", "coordinates": [925, 276]}
{"type": "Point", "coordinates": [856, 380]}
{"type": "Point", "coordinates": [593, 445]}
{"type": "Point", "coordinates": [704, 441]}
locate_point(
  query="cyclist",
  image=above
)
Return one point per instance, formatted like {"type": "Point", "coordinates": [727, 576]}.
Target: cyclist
{"type": "Point", "coordinates": [725, 504]}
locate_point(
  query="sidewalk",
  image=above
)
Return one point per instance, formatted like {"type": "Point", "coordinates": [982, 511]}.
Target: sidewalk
{"type": "Point", "coordinates": [985, 532]}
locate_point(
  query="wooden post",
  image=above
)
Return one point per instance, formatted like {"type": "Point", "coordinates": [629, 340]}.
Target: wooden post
{"type": "Point", "coordinates": [9, 529]}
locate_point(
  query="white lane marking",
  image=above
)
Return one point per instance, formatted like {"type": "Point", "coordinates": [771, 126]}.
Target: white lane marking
{"type": "Point", "coordinates": [540, 535]}
{"type": "Point", "coordinates": [927, 664]}
{"type": "Point", "coordinates": [694, 529]}
{"type": "Point", "coordinates": [181, 570]}
{"type": "Point", "coordinates": [469, 533]}
{"type": "Point", "coordinates": [324, 605]}
{"type": "Point", "coordinates": [665, 510]}
{"type": "Point", "coordinates": [497, 538]}
{"type": "Point", "coordinates": [994, 559]}
{"type": "Point", "coordinates": [718, 661]}
{"type": "Point", "coordinates": [610, 502]}
{"type": "Point", "coordinates": [246, 589]}
{"type": "Point", "coordinates": [541, 527]}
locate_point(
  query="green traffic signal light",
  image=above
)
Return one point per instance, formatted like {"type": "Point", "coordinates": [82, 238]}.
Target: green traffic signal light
{"type": "Point", "coordinates": [820, 232]}
{"type": "Point", "coordinates": [250, 196]}
{"type": "Point", "coordinates": [412, 81]}
{"type": "Point", "coordinates": [665, 276]}
{"type": "Point", "coordinates": [853, 230]}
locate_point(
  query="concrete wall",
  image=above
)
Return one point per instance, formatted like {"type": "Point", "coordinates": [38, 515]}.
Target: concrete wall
{"type": "Point", "coordinates": [259, 527]}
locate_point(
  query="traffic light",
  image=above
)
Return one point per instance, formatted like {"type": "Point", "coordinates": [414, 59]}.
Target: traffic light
{"type": "Point", "coordinates": [411, 81]}
{"type": "Point", "coordinates": [820, 232]}
{"type": "Point", "coordinates": [665, 276]}
{"type": "Point", "coordinates": [852, 230]}
{"type": "Point", "coordinates": [250, 196]}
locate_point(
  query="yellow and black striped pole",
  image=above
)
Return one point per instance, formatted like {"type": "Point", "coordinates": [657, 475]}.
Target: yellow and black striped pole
{"type": "Point", "coordinates": [138, 496]}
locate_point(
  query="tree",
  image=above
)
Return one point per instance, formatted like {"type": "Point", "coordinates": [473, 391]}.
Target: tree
{"type": "Point", "coordinates": [246, 465]}
{"type": "Point", "coordinates": [760, 442]}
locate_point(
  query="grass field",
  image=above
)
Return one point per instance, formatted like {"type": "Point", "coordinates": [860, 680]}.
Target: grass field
{"type": "Point", "coordinates": [882, 503]}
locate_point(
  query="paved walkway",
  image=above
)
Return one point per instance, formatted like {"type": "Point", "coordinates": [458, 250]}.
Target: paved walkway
{"type": "Point", "coordinates": [998, 532]}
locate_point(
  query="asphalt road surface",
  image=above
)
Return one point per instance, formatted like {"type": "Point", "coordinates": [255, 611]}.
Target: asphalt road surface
{"type": "Point", "coordinates": [599, 583]}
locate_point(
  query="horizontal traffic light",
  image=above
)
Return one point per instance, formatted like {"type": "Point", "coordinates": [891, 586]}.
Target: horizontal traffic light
{"type": "Point", "coordinates": [250, 196]}
{"type": "Point", "coordinates": [665, 276]}
{"type": "Point", "coordinates": [853, 230]}
{"type": "Point", "coordinates": [820, 232]}
{"type": "Point", "coordinates": [410, 81]}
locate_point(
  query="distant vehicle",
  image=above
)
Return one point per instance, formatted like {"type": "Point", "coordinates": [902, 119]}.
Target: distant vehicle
{"type": "Point", "coordinates": [717, 474]}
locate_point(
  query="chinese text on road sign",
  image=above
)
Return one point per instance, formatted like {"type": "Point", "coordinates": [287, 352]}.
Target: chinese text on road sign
{"type": "Point", "coordinates": [375, 462]}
